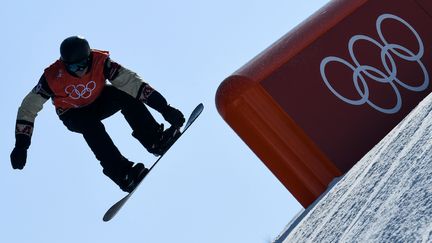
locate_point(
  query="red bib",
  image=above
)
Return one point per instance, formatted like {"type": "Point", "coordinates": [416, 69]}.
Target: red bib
{"type": "Point", "coordinates": [73, 92]}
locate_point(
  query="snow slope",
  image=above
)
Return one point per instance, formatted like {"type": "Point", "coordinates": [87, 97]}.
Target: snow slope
{"type": "Point", "coordinates": [385, 197]}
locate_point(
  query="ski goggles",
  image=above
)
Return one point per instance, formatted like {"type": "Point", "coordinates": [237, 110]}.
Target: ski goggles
{"type": "Point", "coordinates": [78, 66]}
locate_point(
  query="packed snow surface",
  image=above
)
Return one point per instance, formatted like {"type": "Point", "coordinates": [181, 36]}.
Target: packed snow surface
{"type": "Point", "coordinates": [385, 197]}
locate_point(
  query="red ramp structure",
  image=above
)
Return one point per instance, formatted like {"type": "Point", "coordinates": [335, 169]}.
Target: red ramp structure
{"type": "Point", "coordinates": [317, 100]}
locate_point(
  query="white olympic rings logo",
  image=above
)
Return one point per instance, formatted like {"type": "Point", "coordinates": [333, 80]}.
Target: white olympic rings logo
{"type": "Point", "coordinates": [80, 91]}
{"type": "Point", "coordinates": [388, 76]}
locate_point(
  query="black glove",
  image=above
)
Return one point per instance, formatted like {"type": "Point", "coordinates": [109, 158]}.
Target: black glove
{"type": "Point", "coordinates": [18, 158]}
{"type": "Point", "coordinates": [173, 116]}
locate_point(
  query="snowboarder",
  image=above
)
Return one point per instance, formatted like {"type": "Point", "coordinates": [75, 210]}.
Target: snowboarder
{"type": "Point", "coordinates": [76, 83]}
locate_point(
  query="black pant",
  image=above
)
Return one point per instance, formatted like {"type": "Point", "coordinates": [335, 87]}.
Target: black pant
{"type": "Point", "coordinates": [87, 121]}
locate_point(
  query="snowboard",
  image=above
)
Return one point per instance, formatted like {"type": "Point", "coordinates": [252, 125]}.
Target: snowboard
{"type": "Point", "coordinates": [113, 210]}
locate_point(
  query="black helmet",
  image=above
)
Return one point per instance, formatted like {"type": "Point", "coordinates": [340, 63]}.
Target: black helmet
{"type": "Point", "coordinates": [74, 49]}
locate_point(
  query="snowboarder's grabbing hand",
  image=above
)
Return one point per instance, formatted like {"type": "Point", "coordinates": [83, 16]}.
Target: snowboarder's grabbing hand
{"type": "Point", "coordinates": [76, 83]}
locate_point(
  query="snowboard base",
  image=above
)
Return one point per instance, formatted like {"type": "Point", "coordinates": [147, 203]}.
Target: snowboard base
{"type": "Point", "coordinates": [113, 210]}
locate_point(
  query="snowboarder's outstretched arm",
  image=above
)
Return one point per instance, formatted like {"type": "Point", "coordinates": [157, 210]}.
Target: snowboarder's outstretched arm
{"type": "Point", "coordinates": [131, 83]}
{"type": "Point", "coordinates": [27, 112]}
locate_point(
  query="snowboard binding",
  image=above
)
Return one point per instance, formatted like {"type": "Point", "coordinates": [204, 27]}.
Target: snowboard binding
{"type": "Point", "coordinates": [167, 138]}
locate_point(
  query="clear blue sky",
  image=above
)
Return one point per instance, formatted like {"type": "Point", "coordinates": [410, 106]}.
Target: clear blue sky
{"type": "Point", "coordinates": [210, 188]}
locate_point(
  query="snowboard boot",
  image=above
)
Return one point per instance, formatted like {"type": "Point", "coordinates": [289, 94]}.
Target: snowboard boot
{"type": "Point", "coordinates": [148, 137]}
{"type": "Point", "coordinates": [167, 138]}
{"type": "Point", "coordinates": [133, 177]}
